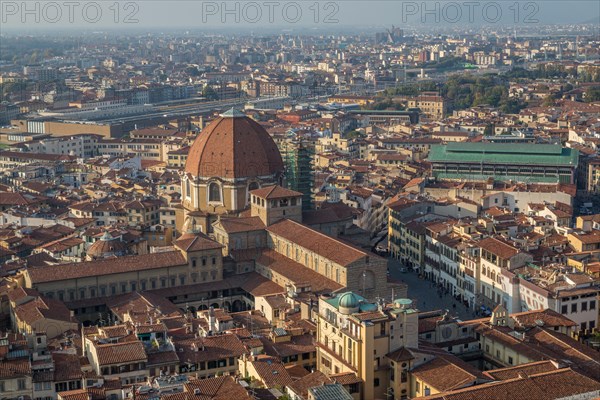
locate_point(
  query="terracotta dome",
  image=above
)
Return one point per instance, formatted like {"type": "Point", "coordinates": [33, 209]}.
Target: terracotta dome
{"type": "Point", "coordinates": [234, 146]}
{"type": "Point", "coordinates": [106, 246]}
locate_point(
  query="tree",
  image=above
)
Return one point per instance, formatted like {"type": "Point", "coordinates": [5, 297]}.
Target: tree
{"type": "Point", "coordinates": [209, 93]}
{"type": "Point", "coordinates": [511, 106]}
{"type": "Point", "coordinates": [353, 134]}
{"type": "Point", "coordinates": [489, 130]}
{"type": "Point", "coordinates": [9, 88]}
{"type": "Point", "coordinates": [548, 101]}
{"type": "Point", "coordinates": [592, 94]}
{"type": "Point", "coordinates": [192, 71]}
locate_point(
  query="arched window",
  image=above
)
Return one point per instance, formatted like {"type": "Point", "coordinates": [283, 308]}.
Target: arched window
{"type": "Point", "coordinates": [214, 192]}
{"type": "Point", "coordinates": [252, 186]}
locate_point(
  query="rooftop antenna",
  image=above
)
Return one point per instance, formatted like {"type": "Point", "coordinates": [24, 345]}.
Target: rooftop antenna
{"type": "Point", "coordinates": [251, 326]}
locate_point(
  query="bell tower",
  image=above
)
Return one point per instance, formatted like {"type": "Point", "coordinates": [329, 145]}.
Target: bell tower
{"type": "Point", "coordinates": [272, 203]}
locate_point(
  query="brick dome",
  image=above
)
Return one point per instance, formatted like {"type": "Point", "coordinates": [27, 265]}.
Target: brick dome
{"type": "Point", "coordinates": [234, 146]}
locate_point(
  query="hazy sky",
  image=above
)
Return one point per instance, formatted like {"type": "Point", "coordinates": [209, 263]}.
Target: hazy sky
{"type": "Point", "coordinates": [260, 15]}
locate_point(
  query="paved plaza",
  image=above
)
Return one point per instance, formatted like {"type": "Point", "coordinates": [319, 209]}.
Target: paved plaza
{"type": "Point", "coordinates": [426, 295]}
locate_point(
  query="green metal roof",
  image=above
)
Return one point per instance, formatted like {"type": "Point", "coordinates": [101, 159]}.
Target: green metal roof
{"type": "Point", "coordinates": [335, 301]}
{"type": "Point", "coordinates": [515, 178]}
{"type": "Point", "coordinates": [504, 153]}
{"type": "Point", "coordinates": [382, 112]}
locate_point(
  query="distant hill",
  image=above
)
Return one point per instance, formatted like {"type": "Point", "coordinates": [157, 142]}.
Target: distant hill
{"type": "Point", "coordinates": [594, 21]}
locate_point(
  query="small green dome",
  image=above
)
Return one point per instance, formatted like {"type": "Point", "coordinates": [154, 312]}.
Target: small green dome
{"type": "Point", "coordinates": [349, 300]}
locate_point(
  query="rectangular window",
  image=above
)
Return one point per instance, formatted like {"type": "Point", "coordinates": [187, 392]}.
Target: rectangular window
{"type": "Point", "coordinates": [574, 308]}
{"type": "Point", "coordinates": [584, 306]}
{"type": "Point", "coordinates": [564, 309]}
{"type": "Point", "coordinates": [593, 305]}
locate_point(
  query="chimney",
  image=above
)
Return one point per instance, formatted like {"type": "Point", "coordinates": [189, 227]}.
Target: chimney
{"type": "Point", "coordinates": [211, 319]}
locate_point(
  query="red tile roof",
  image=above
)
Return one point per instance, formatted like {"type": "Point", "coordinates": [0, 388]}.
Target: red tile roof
{"type": "Point", "coordinates": [444, 375]}
{"type": "Point", "coordinates": [61, 272]}
{"type": "Point", "coordinates": [499, 248]}
{"type": "Point", "coordinates": [296, 272]}
{"type": "Point", "coordinates": [236, 225]}
{"type": "Point", "coordinates": [274, 192]}
{"type": "Point", "coordinates": [219, 388]}
{"type": "Point", "coordinates": [317, 242]}
{"type": "Point", "coordinates": [556, 384]}
{"type": "Point", "coordinates": [196, 242]}
{"type": "Point", "coordinates": [120, 353]}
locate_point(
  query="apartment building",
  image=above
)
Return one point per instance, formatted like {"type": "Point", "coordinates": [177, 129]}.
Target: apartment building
{"type": "Point", "coordinates": [498, 283]}
{"type": "Point", "coordinates": [572, 294]}
{"type": "Point", "coordinates": [355, 336]}
{"type": "Point", "coordinates": [431, 104]}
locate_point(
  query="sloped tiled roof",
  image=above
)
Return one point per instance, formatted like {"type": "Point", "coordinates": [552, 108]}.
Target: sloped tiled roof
{"type": "Point", "coordinates": [554, 384]}
{"type": "Point", "coordinates": [317, 242]}
{"type": "Point", "coordinates": [61, 272]}
{"type": "Point", "coordinates": [120, 353]}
